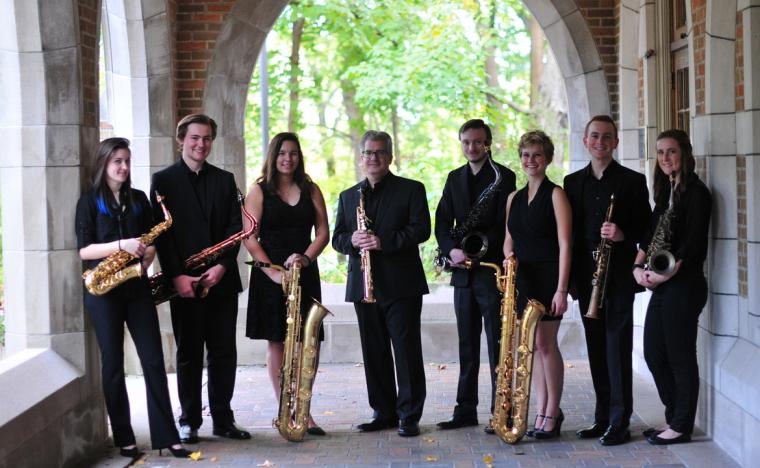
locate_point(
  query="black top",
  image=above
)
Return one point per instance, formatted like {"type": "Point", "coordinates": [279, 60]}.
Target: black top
{"type": "Point", "coordinates": [476, 183]}
{"type": "Point", "coordinates": [596, 199]}
{"type": "Point", "coordinates": [533, 226]}
{"type": "Point", "coordinates": [198, 181]}
{"type": "Point", "coordinates": [690, 226]}
{"type": "Point", "coordinates": [98, 223]}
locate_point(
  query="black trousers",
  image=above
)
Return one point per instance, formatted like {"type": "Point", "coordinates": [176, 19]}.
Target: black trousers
{"type": "Point", "coordinates": [396, 324]}
{"type": "Point", "coordinates": [476, 307]}
{"type": "Point", "coordinates": [609, 341]}
{"type": "Point", "coordinates": [670, 347]}
{"type": "Point", "coordinates": [210, 322]}
{"type": "Point", "coordinates": [131, 303]}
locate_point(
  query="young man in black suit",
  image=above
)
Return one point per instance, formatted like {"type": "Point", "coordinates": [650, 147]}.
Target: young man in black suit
{"type": "Point", "coordinates": [476, 299]}
{"type": "Point", "coordinates": [609, 339]}
{"type": "Point", "coordinates": [202, 200]}
{"type": "Point", "coordinates": [398, 210]}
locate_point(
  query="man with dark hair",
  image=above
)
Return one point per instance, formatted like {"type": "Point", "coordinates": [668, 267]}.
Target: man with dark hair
{"type": "Point", "coordinates": [389, 327]}
{"type": "Point", "coordinates": [476, 215]}
{"type": "Point", "coordinates": [202, 200]}
{"type": "Point", "coordinates": [609, 338]}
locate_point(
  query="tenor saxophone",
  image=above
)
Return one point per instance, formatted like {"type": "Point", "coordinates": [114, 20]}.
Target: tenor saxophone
{"type": "Point", "coordinates": [117, 268]}
{"type": "Point", "coordinates": [602, 255]}
{"type": "Point", "coordinates": [162, 288]}
{"type": "Point", "coordinates": [515, 367]}
{"type": "Point", "coordinates": [362, 224]}
{"type": "Point", "coordinates": [299, 362]}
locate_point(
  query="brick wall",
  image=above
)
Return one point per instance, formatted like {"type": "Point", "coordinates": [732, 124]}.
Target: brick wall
{"type": "Point", "coordinates": [196, 26]}
{"type": "Point", "coordinates": [741, 219]}
{"type": "Point", "coordinates": [89, 24]}
{"type": "Point", "coordinates": [603, 19]}
{"type": "Point", "coordinates": [739, 63]}
{"type": "Point", "coordinates": [698, 22]}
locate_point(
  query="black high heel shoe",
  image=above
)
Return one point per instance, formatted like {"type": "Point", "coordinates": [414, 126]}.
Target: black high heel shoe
{"type": "Point", "coordinates": [544, 434]}
{"type": "Point", "coordinates": [133, 453]}
{"type": "Point", "coordinates": [532, 432]}
{"type": "Point", "coordinates": [181, 452]}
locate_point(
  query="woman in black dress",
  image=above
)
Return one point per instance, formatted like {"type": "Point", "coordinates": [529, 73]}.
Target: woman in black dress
{"type": "Point", "coordinates": [670, 328]}
{"type": "Point", "coordinates": [538, 234]}
{"type": "Point", "coordinates": [109, 218]}
{"type": "Point", "coordinates": [288, 206]}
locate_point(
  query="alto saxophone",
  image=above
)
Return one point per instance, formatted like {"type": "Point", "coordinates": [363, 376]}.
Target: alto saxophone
{"type": "Point", "coordinates": [515, 367]}
{"type": "Point", "coordinates": [299, 362]}
{"type": "Point", "coordinates": [162, 288]}
{"type": "Point", "coordinates": [659, 258]}
{"type": "Point", "coordinates": [362, 224]}
{"type": "Point", "coordinates": [602, 256]}
{"type": "Point", "coordinates": [115, 269]}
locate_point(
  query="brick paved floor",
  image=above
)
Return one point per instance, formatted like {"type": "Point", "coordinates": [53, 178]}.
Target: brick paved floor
{"type": "Point", "coordinates": [340, 403]}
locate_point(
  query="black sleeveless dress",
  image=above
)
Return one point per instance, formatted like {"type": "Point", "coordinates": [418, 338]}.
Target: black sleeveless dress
{"type": "Point", "coordinates": [533, 228]}
{"type": "Point", "coordinates": [284, 230]}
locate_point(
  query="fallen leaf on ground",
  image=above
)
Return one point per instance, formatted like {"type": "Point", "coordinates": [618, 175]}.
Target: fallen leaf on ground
{"type": "Point", "coordinates": [429, 440]}
{"type": "Point", "coordinates": [431, 458]}
{"type": "Point", "coordinates": [195, 456]}
{"type": "Point", "coordinates": [266, 463]}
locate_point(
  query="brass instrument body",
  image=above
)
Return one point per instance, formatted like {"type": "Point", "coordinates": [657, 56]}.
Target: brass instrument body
{"type": "Point", "coordinates": [116, 269]}
{"type": "Point", "coordinates": [299, 361]}
{"type": "Point", "coordinates": [602, 256]}
{"type": "Point", "coordinates": [659, 258]}
{"type": "Point", "coordinates": [515, 367]}
{"type": "Point", "coordinates": [362, 224]}
{"type": "Point", "coordinates": [162, 288]}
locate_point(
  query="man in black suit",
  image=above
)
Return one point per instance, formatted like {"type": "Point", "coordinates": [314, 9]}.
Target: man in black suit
{"type": "Point", "coordinates": [609, 339]}
{"type": "Point", "coordinates": [202, 200]}
{"type": "Point", "coordinates": [398, 210]}
{"type": "Point", "coordinates": [474, 188]}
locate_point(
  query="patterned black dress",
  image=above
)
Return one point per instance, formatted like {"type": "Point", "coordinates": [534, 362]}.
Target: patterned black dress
{"type": "Point", "coordinates": [533, 228]}
{"type": "Point", "coordinates": [284, 230]}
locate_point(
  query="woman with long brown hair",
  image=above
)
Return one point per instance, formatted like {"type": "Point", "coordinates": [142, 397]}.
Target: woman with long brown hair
{"type": "Point", "coordinates": [288, 206]}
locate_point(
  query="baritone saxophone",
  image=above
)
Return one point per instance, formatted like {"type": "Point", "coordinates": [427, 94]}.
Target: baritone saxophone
{"type": "Point", "coordinates": [515, 367]}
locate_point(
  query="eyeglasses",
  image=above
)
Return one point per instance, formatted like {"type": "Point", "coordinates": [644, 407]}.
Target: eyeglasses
{"type": "Point", "coordinates": [378, 154]}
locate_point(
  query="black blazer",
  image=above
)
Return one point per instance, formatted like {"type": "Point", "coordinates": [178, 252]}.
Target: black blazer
{"type": "Point", "coordinates": [194, 229]}
{"type": "Point", "coordinates": [402, 223]}
{"type": "Point", "coordinates": [455, 205]}
{"type": "Point", "coordinates": [631, 214]}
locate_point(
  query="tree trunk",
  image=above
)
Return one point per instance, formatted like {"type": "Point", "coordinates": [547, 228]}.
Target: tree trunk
{"type": "Point", "coordinates": [536, 59]}
{"type": "Point", "coordinates": [396, 142]}
{"type": "Point", "coordinates": [295, 72]}
{"type": "Point", "coordinates": [494, 104]}
{"type": "Point", "coordinates": [355, 123]}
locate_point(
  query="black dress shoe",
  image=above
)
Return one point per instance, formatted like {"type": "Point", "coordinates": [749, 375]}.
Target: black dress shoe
{"type": "Point", "coordinates": [232, 432]}
{"type": "Point", "coordinates": [593, 431]}
{"type": "Point", "coordinates": [377, 425]}
{"type": "Point", "coordinates": [615, 436]}
{"type": "Point", "coordinates": [488, 429]}
{"type": "Point", "coordinates": [457, 422]}
{"type": "Point", "coordinates": [134, 453]}
{"type": "Point", "coordinates": [655, 439]}
{"type": "Point", "coordinates": [316, 431]}
{"type": "Point", "coordinates": [180, 452]}
{"type": "Point", "coordinates": [650, 431]}
{"type": "Point", "coordinates": [408, 428]}
{"type": "Point", "coordinates": [188, 435]}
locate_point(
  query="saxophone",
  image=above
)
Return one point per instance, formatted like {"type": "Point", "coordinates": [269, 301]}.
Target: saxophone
{"type": "Point", "coordinates": [299, 362]}
{"type": "Point", "coordinates": [162, 288]}
{"type": "Point", "coordinates": [472, 242]}
{"type": "Point", "coordinates": [659, 258]}
{"type": "Point", "coordinates": [115, 269]}
{"type": "Point", "coordinates": [362, 224]}
{"type": "Point", "coordinates": [515, 367]}
{"type": "Point", "coordinates": [602, 256]}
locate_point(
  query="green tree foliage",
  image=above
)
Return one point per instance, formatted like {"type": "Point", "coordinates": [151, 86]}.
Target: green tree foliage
{"type": "Point", "coordinates": [414, 68]}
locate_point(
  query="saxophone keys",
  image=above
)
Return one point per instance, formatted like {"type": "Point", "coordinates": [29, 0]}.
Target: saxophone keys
{"type": "Point", "coordinates": [305, 393]}
{"type": "Point", "coordinates": [289, 320]}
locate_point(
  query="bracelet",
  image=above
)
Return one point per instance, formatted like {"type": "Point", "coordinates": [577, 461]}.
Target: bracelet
{"type": "Point", "coordinates": [639, 265]}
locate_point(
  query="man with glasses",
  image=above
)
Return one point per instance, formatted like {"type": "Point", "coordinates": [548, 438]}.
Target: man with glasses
{"type": "Point", "coordinates": [476, 299]}
{"type": "Point", "coordinates": [389, 327]}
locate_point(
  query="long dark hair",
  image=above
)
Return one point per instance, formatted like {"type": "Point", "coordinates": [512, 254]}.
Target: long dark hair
{"type": "Point", "coordinates": [269, 172]}
{"type": "Point", "coordinates": [686, 175]}
{"type": "Point", "coordinates": [104, 198]}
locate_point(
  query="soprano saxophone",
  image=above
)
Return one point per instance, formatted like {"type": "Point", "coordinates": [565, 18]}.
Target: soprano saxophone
{"type": "Point", "coordinates": [515, 367]}
{"type": "Point", "coordinates": [117, 268]}
{"type": "Point", "coordinates": [299, 362]}
{"type": "Point", "coordinates": [362, 224]}
{"type": "Point", "coordinates": [162, 288]}
{"type": "Point", "coordinates": [602, 255]}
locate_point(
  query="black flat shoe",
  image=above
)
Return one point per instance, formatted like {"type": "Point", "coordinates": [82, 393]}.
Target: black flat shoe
{"type": "Point", "coordinates": [657, 440]}
{"type": "Point", "coordinates": [232, 432]}
{"type": "Point", "coordinates": [377, 425]}
{"type": "Point", "coordinates": [133, 453]}
{"type": "Point", "coordinates": [650, 431]}
{"type": "Point", "coordinates": [456, 423]}
{"type": "Point", "coordinates": [592, 432]}
{"type": "Point", "coordinates": [408, 428]}
{"type": "Point", "coordinates": [181, 452]}
{"type": "Point", "coordinates": [615, 436]}
{"type": "Point", "coordinates": [316, 431]}
{"type": "Point", "coordinates": [543, 434]}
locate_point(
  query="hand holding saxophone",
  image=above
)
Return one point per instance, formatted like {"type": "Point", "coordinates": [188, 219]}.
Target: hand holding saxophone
{"type": "Point", "coordinates": [612, 232]}
{"type": "Point", "coordinates": [650, 279]}
{"type": "Point", "coordinates": [365, 240]}
{"type": "Point", "coordinates": [133, 246]}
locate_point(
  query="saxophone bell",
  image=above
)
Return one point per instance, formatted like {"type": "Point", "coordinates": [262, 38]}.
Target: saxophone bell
{"type": "Point", "coordinates": [662, 262]}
